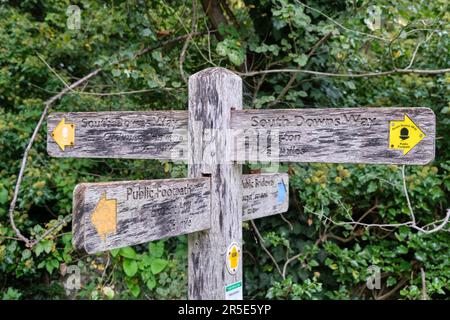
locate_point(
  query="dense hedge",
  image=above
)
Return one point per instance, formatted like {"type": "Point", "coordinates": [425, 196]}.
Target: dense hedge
{"type": "Point", "coordinates": [330, 260]}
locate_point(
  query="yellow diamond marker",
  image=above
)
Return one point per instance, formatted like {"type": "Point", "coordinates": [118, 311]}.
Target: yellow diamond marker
{"type": "Point", "coordinates": [64, 134]}
{"type": "Point", "coordinates": [404, 134]}
{"type": "Point", "coordinates": [233, 253]}
{"type": "Point", "coordinates": [104, 217]}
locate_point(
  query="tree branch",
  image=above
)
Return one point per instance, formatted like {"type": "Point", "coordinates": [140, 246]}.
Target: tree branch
{"type": "Point", "coordinates": [261, 242]}
{"type": "Point", "coordinates": [294, 75]}
{"type": "Point", "coordinates": [347, 75]}
{"type": "Point", "coordinates": [47, 105]}
{"type": "Point", "coordinates": [186, 42]}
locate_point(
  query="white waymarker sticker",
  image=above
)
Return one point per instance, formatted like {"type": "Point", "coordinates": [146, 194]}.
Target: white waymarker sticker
{"type": "Point", "coordinates": [234, 291]}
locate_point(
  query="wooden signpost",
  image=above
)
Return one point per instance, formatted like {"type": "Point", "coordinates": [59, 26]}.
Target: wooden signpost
{"type": "Point", "coordinates": [344, 135]}
{"type": "Point", "coordinates": [125, 135]}
{"type": "Point", "coordinates": [112, 215]}
{"type": "Point", "coordinates": [214, 137]}
{"type": "Point", "coordinates": [118, 214]}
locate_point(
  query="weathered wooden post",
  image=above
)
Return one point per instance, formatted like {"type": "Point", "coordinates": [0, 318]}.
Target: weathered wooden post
{"type": "Point", "coordinates": [215, 255]}
{"type": "Point", "coordinates": [211, 205]}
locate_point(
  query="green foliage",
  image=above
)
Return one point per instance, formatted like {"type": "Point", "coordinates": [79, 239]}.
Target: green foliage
{"type": "Point", "coordinates": [331, 260]}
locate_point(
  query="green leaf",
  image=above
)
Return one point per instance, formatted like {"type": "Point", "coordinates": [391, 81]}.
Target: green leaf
{"type": "Point", "coordinates": [3, 196]}
{"type": "Point", "coordinates": [152, 84]}
{"type": "Point", "coordinates": [38, 249]}
{"type": "Point", "coordinates": [26, 254]}
{"type": "Point", "coordinates": [313, 263]}
{"type": "Point", "coordinates": [49, 266]}
{"type": "Point", "coordinates": [372, 187]}
{"type": "Point", "coordinates": [146, 32]}
{"type": "Point", "coordinates": [176, 84]}
{"type": "Point", "coordinates": [114, 252]}
{"type": "Point", "coordinates": [146, 260]}
{"type": "Point", "coordinates": [402, 249]}
{"type": "Point", "coordinates": [421, 256]}
{"type": "Point", "coordinates": [108, 292]}
{"type": "Point", "coordinates": [47, 245]}
{"type": "Point", "coordinates": [301, 60]}
{"type": "Point", "coordinates": [134, 288]}
{"type": "Point", "coordinates": [151, 283]}
{"type": "Point", "coordinates": [130, 267]}
{"type": "Point", "coordinates": [158, 265]}
{"type": "Point", "coordinates": [116, 72]}
{"type": "Point", "coordinates": [156, 249]}
{"type": "Point", "coordinates": [391, 281]}
{"type": "Point", "coordinates": [129, 253]}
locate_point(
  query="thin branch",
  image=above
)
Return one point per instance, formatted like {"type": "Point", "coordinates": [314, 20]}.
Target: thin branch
{"type": "Point", "coordinates": [258, 86]}
{"type": "Point", "coordinates": [9, 238]}
{"type": "Point", "coordinates": [417, 49]}
{"type": "Point", "coordinates": [342, 26]}
{"type": "Point", "coordinates": [340, 239]}
{"type": "Point", "coordinates": [424, 285]}
{"type": "Point", "coordinates": [367, 213]}
{"type": "Point", "coordinates": [186, 42]}
{"type": "Point", "coordinates": [104, 270]}
{"type": "Point", "coordinates": [288, 262]}
{"type": "Point", "coordinates": [386, 225]}
{"type": "Point", "coordinates": [53, 71]}
{"type": "Point", "coordinates": [294, 76]}
{"type": "Point", "coordinates": [121, 93]}
{"type": "Point", "coordinates": [405, 191]}
{"type": "Point", "coordinates": [435, 229]}
{"type": "Point", "coordinates": [347, 75]}
{"type": "Point", "coordinates": [49, 231]}
{"type": "Point", "coordinates": [287, 221]}
{"type": "Point", "coordinates": [394, 290]}
{"type": "Point", "coordinates": [47, 105]}
{"type": "Point", "coordinates": [261, 242]}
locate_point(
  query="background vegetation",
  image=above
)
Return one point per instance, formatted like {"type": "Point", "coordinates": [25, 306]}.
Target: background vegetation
{"type": "Point", "coordinates": [311, 257]}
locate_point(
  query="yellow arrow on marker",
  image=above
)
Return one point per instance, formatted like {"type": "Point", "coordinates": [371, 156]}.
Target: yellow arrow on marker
{"type": "Point", "coordinates": [104, 217]}
{"type": "Point", "coordinates": [404, 134]}
{"type": "Point", "coordinates": [64, 134]}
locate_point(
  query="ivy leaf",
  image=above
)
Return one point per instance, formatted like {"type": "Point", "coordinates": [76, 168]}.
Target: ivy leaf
{"type": "Point", "coordinates": [301, 60]}
{"type": "Point", "coordinates": [176, 84]}
{"type": "Point", "coordinates": [116, 72]}
{"type": "Point", "coordinates": [313, 263]}
{"type": "Point", "coordinates": [130, 267]}
{"type": "Point", "coordinates": [421, 256]}
{"type": "Point", "coordinates": [26, 254]}
{"type": "Point", "coordinates": [156, 249]}
{"type": "Point", "coordinates": [47, 245]}
{"type": "Point", "coordinates": [114, 252]}
{"type": "Point", "coordinates": [402, 249]}
{"type": "Point", "coordinates": [151, 283]}
{"type": "Point", "coordinates": [3, 196]}
{"type": "Point", "coordinates": [391, 281]}
{"type": "Point", "coordinates": [158, 265]}
{"type": "Point", "coordinates": [38, 249]}
{"type": "Point", "coordinates": [146, 32]}
{"type": "Point", "coordinates": [133, 287]}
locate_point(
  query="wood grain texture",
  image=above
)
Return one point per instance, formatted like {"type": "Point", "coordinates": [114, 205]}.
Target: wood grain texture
{"type": "Point", "coordinates": [345, 135]}
{"type": "Point", "coordinates": [146, 211]}
{"type": "Point", "coordinates": [212, 94]}
{"type": "Point", "coordinates": [126, 135]}
{"type": "Point", "coordinates": [264, 195]}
